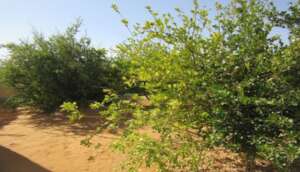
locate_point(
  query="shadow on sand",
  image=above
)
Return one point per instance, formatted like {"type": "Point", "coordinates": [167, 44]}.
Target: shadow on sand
{"type": "Point", "coordinates": [6, 117]}
{"type": "Point", "coordinates": [13, 162]}
{"type": "Point", "coordinates": [88, 124]}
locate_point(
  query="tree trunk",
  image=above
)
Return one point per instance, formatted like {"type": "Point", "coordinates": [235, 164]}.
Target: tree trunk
{"type": "Point", "coordinates": [250, 161]}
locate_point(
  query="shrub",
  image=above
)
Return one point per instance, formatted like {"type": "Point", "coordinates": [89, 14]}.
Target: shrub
{"type": "Point", "coordinates": [226, 83]}
{"type": "Point", "coordinates": [47, 71]}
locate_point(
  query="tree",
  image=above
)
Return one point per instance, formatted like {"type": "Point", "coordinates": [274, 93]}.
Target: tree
{"type": "Point", "coordinates": [290, 18]}
{"type": "Point", "coordinates": [227, 83]}
{"type": "Point", "coordinates": [47, 71]}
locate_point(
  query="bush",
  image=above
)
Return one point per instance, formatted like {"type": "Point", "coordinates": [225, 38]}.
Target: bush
{"type": "Point", "coordinates": [46, 72]}
{"type": "Point", "coordinates": [227, 83]}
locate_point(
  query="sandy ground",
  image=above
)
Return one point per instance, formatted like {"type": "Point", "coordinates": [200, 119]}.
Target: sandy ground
{"type": "Point", "coordinates": [36, 143]}
{"type": "Point", "coordinates": [33, 142]}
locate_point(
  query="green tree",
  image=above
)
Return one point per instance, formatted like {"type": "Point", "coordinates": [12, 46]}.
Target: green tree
{"type": "Point", "coordinates": [290, 18]}
{"type": "Point", "coordinates": [47, 71]}
{"type": "Point", "coordinates": [227, 82]}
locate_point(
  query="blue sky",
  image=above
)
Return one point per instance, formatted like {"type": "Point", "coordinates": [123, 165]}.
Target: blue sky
{"type": "Point", "coordinates": [18, 18]}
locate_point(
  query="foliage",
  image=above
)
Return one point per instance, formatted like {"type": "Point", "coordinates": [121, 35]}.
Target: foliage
{"type": "Point", "coordinates": [2, 71]}
{"type": "Point", "coordinates": [72, 109]}
{"type": "Point", "coordinates": [47, 71]}
{"type": "Point", "coordinates": [289, 18]}
{"type": "Point", "coordinates": [225, 83]}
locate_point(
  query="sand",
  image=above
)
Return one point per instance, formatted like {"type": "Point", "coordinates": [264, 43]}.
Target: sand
{"type": "Point", "coordinates": [32, 142]}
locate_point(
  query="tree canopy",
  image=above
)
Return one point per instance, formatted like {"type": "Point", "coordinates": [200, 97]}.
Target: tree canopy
{"type": "Point", "coordinates": [228, 82]}
{"type": "Point", "coordinates": [47, 71]}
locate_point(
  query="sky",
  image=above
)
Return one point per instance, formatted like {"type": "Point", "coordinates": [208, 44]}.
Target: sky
{"type": "Point", "coordinates": [19, 18]}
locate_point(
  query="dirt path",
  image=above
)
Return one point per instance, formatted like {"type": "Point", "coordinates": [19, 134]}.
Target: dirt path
{"type": "Point", "coordinates": [33, 143]}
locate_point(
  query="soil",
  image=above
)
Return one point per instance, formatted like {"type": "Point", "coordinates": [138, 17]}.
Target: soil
{"type": "Point", "coordinates": [34, 142]}
{"type": "Point", "coordinates": [31, 142]}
